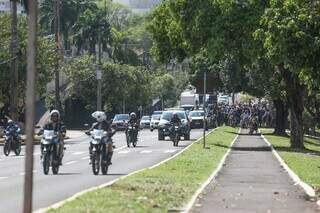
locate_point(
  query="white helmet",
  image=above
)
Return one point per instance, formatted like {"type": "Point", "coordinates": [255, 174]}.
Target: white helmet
{"type": "Point", "coordinates": [55, 112]}
{"type": "Point", "coordinates": [133, 115]}
{"type": "Point", "coordinates": [10, 121]}
{"type": "Point", "coordinates": [99, 116]}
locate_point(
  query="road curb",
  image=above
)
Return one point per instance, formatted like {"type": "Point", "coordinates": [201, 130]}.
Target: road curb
{"type": "Point", "coordinates": [75, 196]}
{"type": "Point", "coordinates": [215, 173]}
{"type": "Point", "coordinates": [297, 181]}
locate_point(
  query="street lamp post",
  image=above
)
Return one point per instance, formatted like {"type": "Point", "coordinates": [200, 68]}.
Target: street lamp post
{"type": "Point", "coordinates": [204, 107]}
{"type": "Point", "coordinates": [30, 103]}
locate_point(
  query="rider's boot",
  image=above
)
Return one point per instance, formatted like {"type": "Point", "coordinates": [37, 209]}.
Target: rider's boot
{"type": "Point", "coordinates": [110, 157]}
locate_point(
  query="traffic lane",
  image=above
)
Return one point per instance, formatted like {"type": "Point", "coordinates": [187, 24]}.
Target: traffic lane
{"type": "Point", "coordinates": [13, 166]}
{"type": "Point", "coordinates": [76, 175]}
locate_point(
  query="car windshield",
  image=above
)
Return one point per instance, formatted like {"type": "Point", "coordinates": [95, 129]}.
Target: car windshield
{"type": "Point", "coordinates": [145, 118]}
{"type": "Point", "coordinates": [168, 115]}
{"type": "Point", "coordinates": [196, 114]}
{"type": "Point", "coordinates": [121, 117]}
{"type": "Point", "coordinates": [157, 113]}
{"type": "Point", "coordinates": [156, 117]}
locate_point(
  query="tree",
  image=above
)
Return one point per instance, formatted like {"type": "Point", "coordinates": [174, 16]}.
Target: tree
{"type": "Point", "coordinates": [69, 13]}
{"type": "Point", "coordinates": [45, 59]}
{"type": "Point", "coordinates": [290, 36]}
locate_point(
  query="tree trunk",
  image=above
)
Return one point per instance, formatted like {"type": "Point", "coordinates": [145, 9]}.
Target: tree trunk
{"type": "Point", "coordinates": [13, 66]}
{"type": "Point", "coordinates": [281, 117]}
{"type": "Point", "coordinates": [295, 93]}
{"type": "Point", "coordinates": [296, 118]}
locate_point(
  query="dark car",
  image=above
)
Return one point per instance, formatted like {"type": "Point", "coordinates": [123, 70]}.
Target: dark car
{"type": "Point", "coordinates": [164, 124]}
{"type": "Point", "coordinates": [119, 121]}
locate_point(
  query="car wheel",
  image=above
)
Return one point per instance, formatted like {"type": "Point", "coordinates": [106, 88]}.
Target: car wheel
{"type": "Point", "coordinates": [160, 136]}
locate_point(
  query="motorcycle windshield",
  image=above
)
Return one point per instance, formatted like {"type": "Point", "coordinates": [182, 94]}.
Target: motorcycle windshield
{"type": "Point", "coordinates": [98, 134]}
{"type": "Point", "coordinates": [48, 134]}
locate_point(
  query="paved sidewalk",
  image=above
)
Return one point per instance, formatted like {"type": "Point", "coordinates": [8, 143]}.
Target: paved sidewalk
{"type": "Point", "coordinates": [252, 180]}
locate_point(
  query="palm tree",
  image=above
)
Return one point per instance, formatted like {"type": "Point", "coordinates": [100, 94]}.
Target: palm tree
{"type": "Point", "coordinates": [69, 13]}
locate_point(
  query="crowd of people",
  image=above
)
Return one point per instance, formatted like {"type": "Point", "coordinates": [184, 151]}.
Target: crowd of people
{"type": "Point", "coordinates": [243, 115]}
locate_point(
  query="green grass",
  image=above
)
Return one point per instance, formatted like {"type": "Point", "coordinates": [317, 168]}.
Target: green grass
{"type": "Point", "coordinates": [162, 189]}
{"type": "Point", "coordinates": [304, 162]}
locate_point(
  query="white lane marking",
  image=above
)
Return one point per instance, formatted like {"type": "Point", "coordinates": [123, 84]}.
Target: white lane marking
{"type": "Point", "coordinates": [170, 151]}
{"type": "Point", "coordinates": [22, 173]}
{"type": "Point", "coordinates": [71, 162]}
{"type": "Point", "coordinates": [85, 158]}
{"type": "Point", "coordinates": [37, 153]}
{"type": "Point", "coordinates": [124, 152]}
{"type": "Point", "coordinates": [20, 157]}
{"type": "Point", "coordinates": [146, 151]}
{"type": "Point", "coordinates": [78, 153]}
{"type": "Point", "coordinates": [67, 146]}
{"type": "Point", "coordinates": [34, 171]}
{"type": "Point", "coordinates": [2, 178]}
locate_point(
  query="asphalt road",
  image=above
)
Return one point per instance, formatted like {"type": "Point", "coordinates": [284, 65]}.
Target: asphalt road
{"type": "Point", "coordinates": [76, 175]}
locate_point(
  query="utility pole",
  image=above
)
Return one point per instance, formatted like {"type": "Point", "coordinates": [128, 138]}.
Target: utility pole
{"type": "Point", "coordinates": [99, 75]}
{"type": "Point", "coordinates": [57, 65]}
{"type": "Point", "coordinates": [204, 107]}
{"type": "Point", "coordinates": [13, 64]}
{"type": "Point", "coordinates": [30, 103]}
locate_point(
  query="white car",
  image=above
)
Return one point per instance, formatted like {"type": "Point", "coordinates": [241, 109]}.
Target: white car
{"type": "Point", "coordinates": [145, 122]}
{"type": "Point", "coordinates": [155, 119]}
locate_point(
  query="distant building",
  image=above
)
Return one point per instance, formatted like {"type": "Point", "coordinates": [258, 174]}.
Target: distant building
{"type": "Point", "coordinates": [5, 7]}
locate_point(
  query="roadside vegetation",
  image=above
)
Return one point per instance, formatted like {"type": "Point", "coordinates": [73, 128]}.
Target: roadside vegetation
{"type": "Point", "coordinates": [161, 189]}
{"type": "Point", "coordinates": [304, 162]}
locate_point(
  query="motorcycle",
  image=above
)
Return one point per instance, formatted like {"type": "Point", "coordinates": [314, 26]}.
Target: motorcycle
{"type": "Point", "coordinates": [175, 135]}
{"type": "Point", "coordinates": [132, 135]}
{"type": "Point", "coordinates": [12, 141]}
{"type": "Point", "coordinates": [50, 155]}
{"type": "Point", "coordinates": [99, 154]}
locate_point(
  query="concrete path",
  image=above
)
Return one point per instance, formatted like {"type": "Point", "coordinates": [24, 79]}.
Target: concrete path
{"type": "Point", "coordinates": [252, 181]}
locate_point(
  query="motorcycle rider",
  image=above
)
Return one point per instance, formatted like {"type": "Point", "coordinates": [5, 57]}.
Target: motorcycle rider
{"type": "Point", "coordinates": [13, 129]}
{"type": "Point", "coordinates": [134, 121]}
{"type": "Point", "coordinates": [102, 124]}
{"type": "Point", "coordinates": [58, 126]}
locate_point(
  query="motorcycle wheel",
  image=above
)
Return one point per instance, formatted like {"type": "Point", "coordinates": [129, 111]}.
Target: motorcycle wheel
{"type": "Point", "coordinates": [128, 140]}
{"type": "Point", "coordinates": [46, 163]}
{"type": "Point", "coordinates": [55, 168]}
{"type": "Point", "coordinates": [176, 140]}
{"type": "Point", "coordinates": [95, 163]}
{"type": "Point", "coordinates": [56, 164]}
{"type": "Point", "coordinates": [104, 166]}
{"type": "Point", "coordinates": [134, 142]}
{"type": "Point", "coordinates": [6, 148]}
{"type": "Point", "coordinates": [17, 148]}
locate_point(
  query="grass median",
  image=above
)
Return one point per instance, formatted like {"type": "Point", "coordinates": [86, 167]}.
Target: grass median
{"type": "Point", "coordinates": [165, 188]}
{"type": "Point", "coordinates": [304, 162]}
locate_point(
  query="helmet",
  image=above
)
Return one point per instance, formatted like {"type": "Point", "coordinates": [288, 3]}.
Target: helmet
{"type": "Point", "coordinates": [55, 112]}
{"type": "Point", "coordinates": [99, 116]}
{"type": "Point", "coordinates": [10, 121]}
{"type": "Point", "coordinates": [133, 115]}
